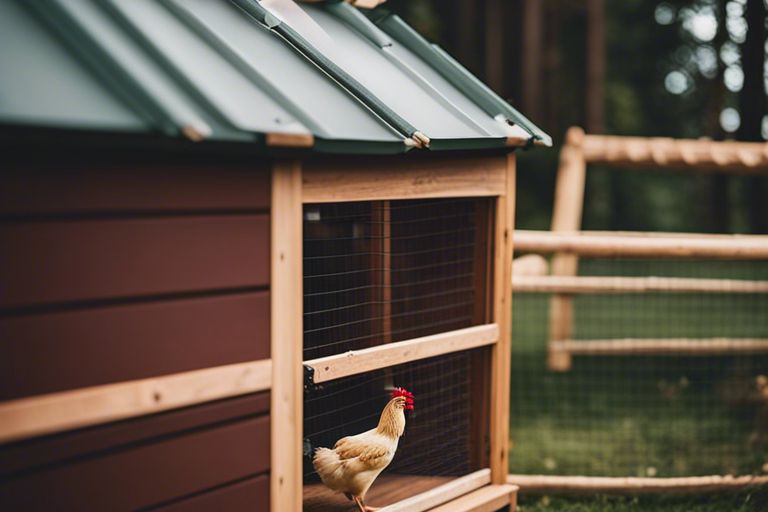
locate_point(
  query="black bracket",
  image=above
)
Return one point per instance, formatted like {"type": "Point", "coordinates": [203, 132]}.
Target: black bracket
{"type": "Point", "coordinates": [309, 380]}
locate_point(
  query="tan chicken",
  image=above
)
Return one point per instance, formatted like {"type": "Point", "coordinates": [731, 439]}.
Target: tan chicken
{"type": "Point", "coordinates": [356, 461]}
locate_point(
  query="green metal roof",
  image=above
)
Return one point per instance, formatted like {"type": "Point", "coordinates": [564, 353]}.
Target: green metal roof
{"type": "Point", "coordinates": [268, 72]}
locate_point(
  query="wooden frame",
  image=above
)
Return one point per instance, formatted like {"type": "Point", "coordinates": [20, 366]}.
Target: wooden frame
{"type": "Point", "coordinates": [56, 412]}
{"type": "Point", "coordinates": [355, 362]}
{"type": "Point", "coordinates": [287, 338]}
{"type": "Point", "coordinates": [599, 284]}
{"type": "Point", "coordinates": [633, 485]}
{"type": "Point", "coordinates": [580, 149]}
{"type": "Point", "coordinates": [380, 180]}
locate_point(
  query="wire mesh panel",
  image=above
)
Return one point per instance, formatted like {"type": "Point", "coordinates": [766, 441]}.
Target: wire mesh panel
{"type": "Point", "coordinates": [688, 407]}
{"type": "Point", "coordinates": [378, 272]}
{"type": "Point", "coordinates": [383, 271]}
{"type": "Point", "coordinates": [445, 436]}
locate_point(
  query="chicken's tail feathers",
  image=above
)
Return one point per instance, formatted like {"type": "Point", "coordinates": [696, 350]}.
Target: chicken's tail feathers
{"type": "Point", "coordinates": [326, 463]}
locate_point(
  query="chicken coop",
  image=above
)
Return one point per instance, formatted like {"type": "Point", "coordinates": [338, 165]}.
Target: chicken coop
{"type": "Point", "coordinates": [640, 361]}
{"type": "Point", "coordinates": [229, 230]}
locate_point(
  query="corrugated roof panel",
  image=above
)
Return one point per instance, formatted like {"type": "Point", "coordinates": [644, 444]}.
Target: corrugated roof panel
{"type": "Point", "coordinates": [386, 80]}
{"type": "Point", "coordinates": [31, 60]}
{"type": "Point", "coordinates": [234, 70]}
{"type": "Point", "coordinates": [204, 72]}
{"type": "Point", "coordinates": [327, 109]}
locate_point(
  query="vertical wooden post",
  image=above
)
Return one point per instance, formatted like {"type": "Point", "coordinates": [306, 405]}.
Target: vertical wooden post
{"type": "Point", "coordinates": [494, 45]}
{"type": "Point", "coordinates": [531, 56]}
{"type": "Point", "coordinates": [502, 315]}
{"type": "Point", "coordinates": [286, 338]}
{"type": "Point", "coordinates": [566, 216]}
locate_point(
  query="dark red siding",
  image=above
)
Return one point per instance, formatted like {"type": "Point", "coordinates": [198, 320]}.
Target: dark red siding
{"type": "Point", "coordinates": [142, 463]}
{"type": "Point", "coordinates": [110, 273]}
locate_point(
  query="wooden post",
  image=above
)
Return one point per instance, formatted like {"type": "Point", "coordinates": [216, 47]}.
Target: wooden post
{"type": "Point", "coordinates": [566, 216]}
{"type": "Point", "coordinates": [287, 338]}
{"type": "Point", "coordinates": [502, 315]}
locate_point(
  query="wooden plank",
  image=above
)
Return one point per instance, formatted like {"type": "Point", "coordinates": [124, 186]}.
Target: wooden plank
{"type": "Point", "coordinates": [502, 312]}
{"type": "Point", "coordinates": [585, 243]}
{"type": "Point", "coordinates": [287, 337]}
{"type": "Point", "coordinates": [611, 284]}
{"type": "Point", "coordinates": [104, 187]}
{"type": "Point", "coordinates": [566, 216]}
{"type": "Point", "coordinates": [68, 349]}
{"type": "Point", "coordinates": [656, 152]}
{"type": "Point", "coordinates": [144, 475]}
{"type": "Point", "coordinates": [60, 262]}
{"type": "Point", "coordinates": [664, 346]}
{"type": "Point", "coordinates": [442, 494]}
{"type": "Point", "coordinates": [36, 454]}
{"type": "Point", "coordinates": [356, 362]}
{"type": "Point", "coordinates": [402, 178]}
{"type": "Point", "coordinates": [55, 412]}
{"type": "Point", "coordinates": [388, 489]}
{"type": "Point", "coordinates": [633, 485]}
{"type": "Point", "coordinates": [488, 499]}
{"type": "Point", "coordinates": [247, 496]}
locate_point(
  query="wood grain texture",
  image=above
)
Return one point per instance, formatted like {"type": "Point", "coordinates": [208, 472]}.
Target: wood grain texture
{"type": "Point", "coordinates": [247, 496]}
{"type": "Point", "coordinates": [106, 187]}
{"type": "Point", "coordinates": [37, 454]}
{"type": "Point", "coordinates": [566, 216]}
{"type": "Point", "coordinates": [502, 313]}
{"type": "Point", "coordinates": [536, 484]}
{"type": "Point", "coordinates": [145, 475]}
{"type": "Point", "coordinates": [488, 499]}
{"type": "Point", "coordinates": [448, 491]}
{"type": "Point", "coordinates": [94, 346]}
{"type": "Point", "coordinates": [59, 262]}
{"type": "Point", "coordinates": [389, 491]}
{"type": "Point", "coordinates": [586, 243]}
{"type": "Point", "coordinates": [55, 412]}
{"type": "Point", "coordinates": [355, 362]}
{"type": "Point", "coordinates": [698, 155]}
{"type": "Point", "coordinates": [390, 178]}
{"type": "Point", "coordinates": [287, 337]}
{"type": "Point", "coordinates": [610, 284]}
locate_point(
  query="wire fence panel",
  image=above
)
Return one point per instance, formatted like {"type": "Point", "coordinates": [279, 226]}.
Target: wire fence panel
{"type": "Point", "coordinates": [638, 412]}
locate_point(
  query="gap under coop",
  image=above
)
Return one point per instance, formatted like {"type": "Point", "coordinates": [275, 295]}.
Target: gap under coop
{"type": "Point", "coordinates": [380, 272]}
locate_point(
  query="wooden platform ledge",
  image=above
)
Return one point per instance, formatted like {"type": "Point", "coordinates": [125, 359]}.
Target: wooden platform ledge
{"type": "Point", "coordinates": [538, 484]}
{"type": "Point", "coordinates": [487, 499]}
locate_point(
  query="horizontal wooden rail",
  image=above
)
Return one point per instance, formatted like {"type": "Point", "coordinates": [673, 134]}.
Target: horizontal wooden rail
{"type": "Point", "coordinates": [55, 412]}
{"type": "Point", "coordinates": [670, 346]}
{"type": "Point", "coordinates": [443, 493]}
{"type": "Point", "coordinates": [657, 152]}
{"type": "Point", "coordinates": [383, 356]}
{"type": "Point", "coordinates": [488, 499]}
{"type": "Point", "coordinates": [585, 243]}
{"type": "Point", "coordinates": [617, 485]}
{"type": "Point", "coordinates": [610, 284]}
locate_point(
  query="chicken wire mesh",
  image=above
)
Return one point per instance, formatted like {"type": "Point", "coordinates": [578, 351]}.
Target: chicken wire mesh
{"type": "Point", "coordinates": [377, 272]}
{"type": "Point", "coordinates": [649, 415]}
{"type": "Point", "coordinates": [383, 271]}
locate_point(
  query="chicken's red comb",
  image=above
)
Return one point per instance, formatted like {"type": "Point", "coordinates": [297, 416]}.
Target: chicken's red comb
{"type": "Point", "coordinates": [404, 393]}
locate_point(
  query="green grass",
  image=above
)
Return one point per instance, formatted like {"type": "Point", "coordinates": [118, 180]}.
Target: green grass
{"type": "Point", "coordinates": [642, 416]}
{"type": "Point", "coordinates": [749, 501]}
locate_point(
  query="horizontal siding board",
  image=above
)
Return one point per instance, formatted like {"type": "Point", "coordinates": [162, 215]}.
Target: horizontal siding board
{"type": "Point", "coordinates": [104, 188]}
{"type": "Point", "coordinates": [146, 475]}
{"type": "Point", "coordinates": [89, 347]}
{"type": "Point", "coordinates": [248, 496]}
{"type": "Point", "coordinates": [35, 454]}
{"type": "Point", "coordinates": [60, 262]}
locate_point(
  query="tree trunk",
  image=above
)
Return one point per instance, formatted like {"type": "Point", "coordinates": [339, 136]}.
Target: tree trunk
{"type": "Point", "coordinates": [595, 92]}
{"type": "Point", "coordinates": [752, 105]}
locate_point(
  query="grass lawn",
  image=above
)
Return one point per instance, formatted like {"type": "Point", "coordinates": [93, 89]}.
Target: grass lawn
{"type": "Point", "coordinates": [643, 416]}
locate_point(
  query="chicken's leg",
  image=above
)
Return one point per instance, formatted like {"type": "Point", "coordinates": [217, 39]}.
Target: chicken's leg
{"type": "Point", "coordinates": [363, 507]}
